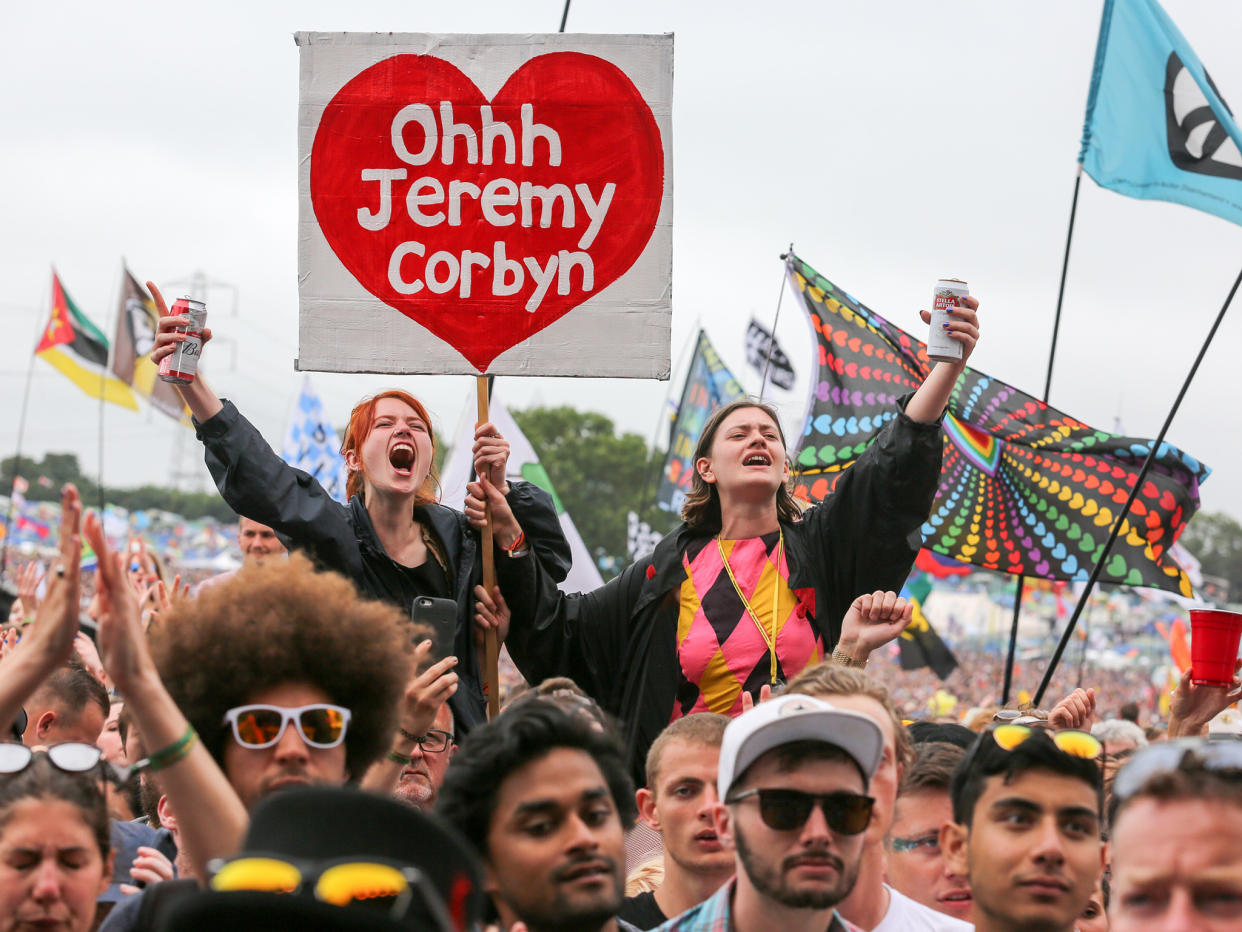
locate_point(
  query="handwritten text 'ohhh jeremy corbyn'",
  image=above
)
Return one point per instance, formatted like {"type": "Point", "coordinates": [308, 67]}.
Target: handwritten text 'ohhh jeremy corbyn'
{"type": "Point", "coordinates": [501, 202]}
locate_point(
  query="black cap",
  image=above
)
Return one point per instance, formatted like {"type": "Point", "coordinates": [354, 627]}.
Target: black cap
{"type": "Point", "coordinates": [335, 824]}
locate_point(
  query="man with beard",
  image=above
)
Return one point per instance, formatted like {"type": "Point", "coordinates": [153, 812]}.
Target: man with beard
{"type": "Point", "coordinates": [419, 782]}
{"type": "Point", "coordinates": [793, 777]}
{"type": "Point", "coordinates": [679, 801]}
{"type": "Point", "coordinates": [546, 799]}
{"type": "Point", "coordinates": [873, 904]}
{"type": "Point", "coordinates": [288, 677]}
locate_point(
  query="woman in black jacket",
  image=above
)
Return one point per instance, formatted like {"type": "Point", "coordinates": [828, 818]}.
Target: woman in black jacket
{"type": "Point", "coordinates": [750, 589]}
{"type": "Point", "coordinates": [393, 539]}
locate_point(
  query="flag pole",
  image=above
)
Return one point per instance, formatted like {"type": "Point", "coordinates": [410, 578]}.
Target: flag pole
{"type": "Point", "coordinates": [1138, 482]}
{"type": "Point", "coordinates": [1052, 355]}
{"type": "Point", "coordinates": [780, 296]}
{"type": "Point", "coordinates": [1056, 322]}
{"type": "Point", "coordinates": [1013, 639]}
{"type": "Point", "coordinates": [691, 341]}
{"type": "Point", "coordinates": [17, 457]}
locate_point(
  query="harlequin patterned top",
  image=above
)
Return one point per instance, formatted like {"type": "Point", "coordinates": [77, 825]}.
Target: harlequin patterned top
{"type": "Point", "coordinates": [720, 649]}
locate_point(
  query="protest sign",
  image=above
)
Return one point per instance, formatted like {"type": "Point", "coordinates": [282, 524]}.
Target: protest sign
{"type": "Point", "coordinates": [487, 203]}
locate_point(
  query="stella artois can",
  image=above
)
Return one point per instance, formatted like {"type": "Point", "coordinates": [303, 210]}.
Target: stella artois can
{"type": "Point", "coordinates": [940, 346]}
{"type": "Point", "coordinates": [180, 365]}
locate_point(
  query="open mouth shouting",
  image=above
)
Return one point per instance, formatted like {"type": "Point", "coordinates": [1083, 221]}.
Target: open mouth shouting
{"type": "Point", "coordinates": [401, 457]}
{"type": "Point", "coordinates": [757, 459]}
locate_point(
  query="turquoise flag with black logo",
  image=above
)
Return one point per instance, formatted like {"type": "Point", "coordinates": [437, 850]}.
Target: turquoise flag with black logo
{"type": "Point", "coordinates": [1157, 127]}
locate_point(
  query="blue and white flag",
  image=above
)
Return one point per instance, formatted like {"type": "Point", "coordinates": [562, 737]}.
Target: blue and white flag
{"type": "Point", "coordinates": [1156, 125]}
{"type": "Point", "coordinates": [311, 443]}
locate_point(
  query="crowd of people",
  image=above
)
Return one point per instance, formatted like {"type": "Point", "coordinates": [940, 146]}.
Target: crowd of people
{"type": "Point", "coordinates": [699, 745]}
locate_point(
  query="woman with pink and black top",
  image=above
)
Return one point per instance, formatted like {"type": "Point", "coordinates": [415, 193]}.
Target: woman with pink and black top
{"type": "Point", "coordinates": [749, 589]}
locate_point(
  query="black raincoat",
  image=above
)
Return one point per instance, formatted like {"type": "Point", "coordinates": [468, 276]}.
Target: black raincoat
{"type": "Point", "coordinates": [261, 486]}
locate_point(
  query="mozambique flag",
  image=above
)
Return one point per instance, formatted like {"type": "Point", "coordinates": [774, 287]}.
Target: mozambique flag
{"type": "Point", "coordinates": [79, 350]}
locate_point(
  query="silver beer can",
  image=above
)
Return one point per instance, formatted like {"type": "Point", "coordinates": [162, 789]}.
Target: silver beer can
{"type": "Point", "coordinates": [181, 364]}
{"type": "Point", "coordinates": [940, 346]}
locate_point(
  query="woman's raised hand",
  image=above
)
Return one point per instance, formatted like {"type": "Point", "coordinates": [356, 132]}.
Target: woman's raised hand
{"type": "Point", "coordinates": [872, 621]}
{"type": "Point", "coordinates": [491, 455]}
{"type": "Point", "coordinates": [167, 338]}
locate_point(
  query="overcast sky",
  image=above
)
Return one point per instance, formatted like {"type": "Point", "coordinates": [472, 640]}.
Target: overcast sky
{"type": "Point", "coordinates": [892, 142]}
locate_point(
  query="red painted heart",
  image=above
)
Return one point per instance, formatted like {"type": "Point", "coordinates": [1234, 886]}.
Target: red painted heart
{"type": "Point", "coordinates": [525, 229]}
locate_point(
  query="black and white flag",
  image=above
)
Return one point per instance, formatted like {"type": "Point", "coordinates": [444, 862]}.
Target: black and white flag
{"type": "Point", "coordinates": [759, 344]}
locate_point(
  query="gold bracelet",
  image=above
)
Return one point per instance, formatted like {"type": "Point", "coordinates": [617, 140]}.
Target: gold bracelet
{"type": "Point", "coordinates": [841, 657]}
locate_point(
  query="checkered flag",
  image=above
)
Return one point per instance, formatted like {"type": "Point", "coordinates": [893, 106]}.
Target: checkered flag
{"type": "Point", "coordinates": [759, 343]}
{"type": "Point", "coordinates": [311, 443]}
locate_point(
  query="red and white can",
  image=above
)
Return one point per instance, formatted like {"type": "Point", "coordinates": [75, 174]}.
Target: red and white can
{"type": "Point", "coordinates": [947, 293]}
{"type": "Point", "coordinates": [182, 363]}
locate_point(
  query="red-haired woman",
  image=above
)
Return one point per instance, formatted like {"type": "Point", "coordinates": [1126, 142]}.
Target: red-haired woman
{"type": "Point", "coordinates": [393, 539]}
{"type": "Point", "coordinates": [749, 590]}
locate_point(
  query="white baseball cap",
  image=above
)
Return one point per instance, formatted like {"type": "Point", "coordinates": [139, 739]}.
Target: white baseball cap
{"type": "Point", "coordinates": [787, 719]}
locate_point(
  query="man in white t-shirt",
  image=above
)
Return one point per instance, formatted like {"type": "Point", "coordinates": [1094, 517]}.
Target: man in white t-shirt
{"type": "Point", "coordinates": [916, 865]}
{"type": "Point", "coordinates": [873, 905]}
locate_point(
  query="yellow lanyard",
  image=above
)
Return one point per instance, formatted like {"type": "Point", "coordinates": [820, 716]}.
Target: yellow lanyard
{"type": "Point", "coordinates": [769, 639]}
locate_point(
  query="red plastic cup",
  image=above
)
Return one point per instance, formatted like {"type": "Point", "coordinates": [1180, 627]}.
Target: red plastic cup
{"type": "Point", "coordinates": [1214, 637]}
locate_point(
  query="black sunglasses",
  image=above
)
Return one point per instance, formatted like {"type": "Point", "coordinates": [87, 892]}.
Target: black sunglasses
{"type": "Point", "coordinates": [786, 810]}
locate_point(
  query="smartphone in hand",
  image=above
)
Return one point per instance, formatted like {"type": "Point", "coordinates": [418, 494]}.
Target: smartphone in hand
{"type": "Point", "coordinates": [440, 615]}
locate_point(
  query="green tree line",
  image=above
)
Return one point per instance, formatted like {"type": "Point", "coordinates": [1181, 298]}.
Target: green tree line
{"type": "Point", "coordinates": [1216, 540]}
{"type": "Point", "coordinates": [598, 474]}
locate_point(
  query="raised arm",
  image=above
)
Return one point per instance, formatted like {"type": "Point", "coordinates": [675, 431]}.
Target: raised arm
{"type": "Point", "coordinates": [198, 396]}
{"type": "Point", "coordinates": [251, 477]}
{"type": "Point", "coordinates": [48, 641]}
{"type": "Point", "coordinates": [933, 395]}
{"type": "Point", "coordinates": [212, 819]}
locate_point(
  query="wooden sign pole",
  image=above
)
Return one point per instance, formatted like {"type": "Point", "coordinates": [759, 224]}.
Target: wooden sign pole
{"type": "Point", "coordinates": [491, 647]}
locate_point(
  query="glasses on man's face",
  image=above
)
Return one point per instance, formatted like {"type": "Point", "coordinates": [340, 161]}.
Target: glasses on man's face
{"type": "Point", "coordinates": [435, 741]}
{"type": "Point", "coordinates": [260, 726]}
{"type": "Point", "coordinates": [1167, 757]}
{"type": "Point", "coordinates": [382, 887]}
{"type": "Point", "coordinates": [786, 810]}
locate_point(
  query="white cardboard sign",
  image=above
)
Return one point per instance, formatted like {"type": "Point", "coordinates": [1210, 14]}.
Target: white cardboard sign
{"type": "Point", "coordinates": [485, 203]}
